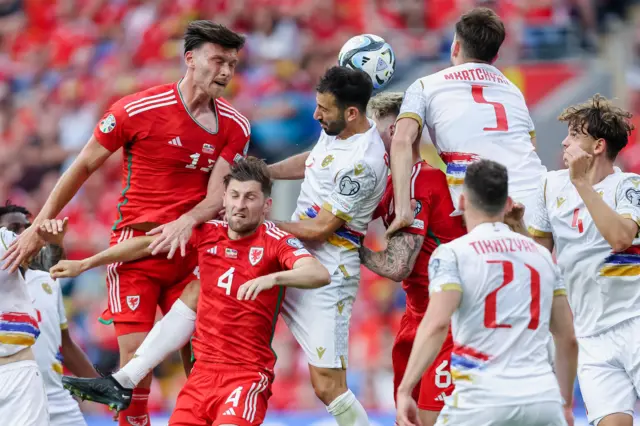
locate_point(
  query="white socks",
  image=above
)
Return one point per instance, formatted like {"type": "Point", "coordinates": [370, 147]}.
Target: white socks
{"type": "Point", "coordinates": [348, 411]}
{"type": "Point", "coordinates": [168, 335]}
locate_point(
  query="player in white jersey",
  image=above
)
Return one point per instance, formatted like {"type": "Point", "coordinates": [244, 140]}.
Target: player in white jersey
{"type": "Point", "coordinates": [22, 396]}
{"type": "Point", "coordinates": [54, 346]}
{"type": "Point", "coordinates": [502, 294]}
{"type": "Point", "coordinates": [471, 111]}
{"type": "Point", "coordinates": [590, 213]}
{"type": "Point", "coordinates": [344, 179]}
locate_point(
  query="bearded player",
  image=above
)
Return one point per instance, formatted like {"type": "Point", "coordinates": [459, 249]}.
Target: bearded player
{"type": "Point", "coordinates": [178, 142]}
{"type": "Point", "coordinates": [245, 266]}
{"type": "Point", "coordinates": [407, 256]}
{"type": "Point", "coordinates": [470, 111]}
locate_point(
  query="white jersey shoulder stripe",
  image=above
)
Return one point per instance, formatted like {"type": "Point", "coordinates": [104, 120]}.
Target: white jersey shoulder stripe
{"type": "Point", "coordinates": [234, 111]}
{"type": "Point", "coordinates": [217, 222]}
{"type": "Point", "coordinates": [151, 102]}
{"type": "Point", "coordinates": [414, 176]}
{"type": "Point", "coordinates": [138, 111]}
{"type": "Point", "coordinates": [234, 118]}
{"type": "Point", "coordinates": [146, 98]}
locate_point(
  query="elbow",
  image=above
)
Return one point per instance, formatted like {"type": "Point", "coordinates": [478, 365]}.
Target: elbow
{"type": "Point", "coordinates": [319, 234]}
{"type": "Point", "coordinates": [324, 278]}
{"type": "Point", "coordinates": [621, 243]}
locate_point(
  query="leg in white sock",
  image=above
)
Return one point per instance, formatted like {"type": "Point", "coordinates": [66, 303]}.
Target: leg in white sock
{"type": "Point", "coordinates": [348, 411]}
{"type": "Point", "coordinates": [330, 385]}
{"type": "Point", "coordinates": [168, 335]}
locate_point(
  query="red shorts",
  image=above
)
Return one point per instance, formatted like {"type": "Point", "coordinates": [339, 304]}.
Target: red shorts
{"type": "Point", "coordinates": [220, 394]}
{"type": "Point", "coordinates": [436, 382]}
{"type": "Point", "coordinates": [136, 288]}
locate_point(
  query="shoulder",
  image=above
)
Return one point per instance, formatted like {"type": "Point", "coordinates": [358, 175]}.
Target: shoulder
{"type": "Point", "coordinates": [33, 276]}
{"type": "Point", "coordinates": [231, 119]}
{"type": "Point", "coordinates": [273, 233]}
{"type": "Point", "coordinates": [426, 177]}
{"type": "Point", "coordinates": [370, 152]}
{"type": "Point", "coordinates": [6, 238]}
{"type": "Point", "coordinates": [146, 100]}
{"type": "Point", "coordinates": [212, 228]}
{"type": "Point", "coordinates": [555, 178]}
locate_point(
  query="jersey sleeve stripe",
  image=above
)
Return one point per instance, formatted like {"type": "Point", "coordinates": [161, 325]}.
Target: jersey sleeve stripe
{"type": "Point", "coordinates": [151, 102]}
{"type": "Point", "coordinates": [138, 111]}
{"type": "Point", "coordinates": [337, 213]}
{"type": "Point", "coordinates": [416, 172]}
{"type": "Point", "coordinates": [537, 233]}
{"type": "Point", "coordinates": [628, 216]}
{"type": "Point", "coordinates": [234, 118]}
{"type": "Point", "coordinates": [64, 326]}
{"type": "Point", "coordinates": [412, 115]}
{"type": "Point", "coordinates": [229, 108]}
{"type": "Point", "coordinates": [146, 98]}
{"type": "Point", "coordinates": [449, 287]}
{"type": "Point", "coordinates": [560, 292]}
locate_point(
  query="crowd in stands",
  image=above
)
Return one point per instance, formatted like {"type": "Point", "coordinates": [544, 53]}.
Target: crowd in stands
{"type": "Point", "coordinates": [62, 62]}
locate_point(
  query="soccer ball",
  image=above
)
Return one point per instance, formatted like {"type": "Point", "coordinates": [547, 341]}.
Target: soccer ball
{"type": "Point", "coordinates": [370, 54]}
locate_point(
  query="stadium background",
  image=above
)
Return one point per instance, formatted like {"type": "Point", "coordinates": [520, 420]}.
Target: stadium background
{"type": "Point", "coordinates": [62, 62]}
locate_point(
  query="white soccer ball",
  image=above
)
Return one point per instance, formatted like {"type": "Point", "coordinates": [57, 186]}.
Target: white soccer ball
{"type": "Point", "coordinates": [371, 54]}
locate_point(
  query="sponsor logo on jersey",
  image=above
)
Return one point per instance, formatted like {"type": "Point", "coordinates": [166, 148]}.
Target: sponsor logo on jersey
{"type": "Point", "coordinates": [231, 253]}
{"type": "Point", "coordinates": [245, 150]}
{"type": "Point", "coordinates": [560, 201]}
{"type": "Point", "coordinates": [175, 141]}
{"type": "Point", "coordinates": [327, 160]}
{"type": "Point", "coordinates": [138, 420]}
{"type": "Point", "coordinates": [418, 208]}
{"type": "Point", "coordinates": [309, 162]}
{"type": "Point", "coordinates": [295, 243]}
{"type": "Point", "coordinates": [133, 302]}
{"type": "Point", "coordinates": [108, 124]}
{"type": "Point", "coordinates": [320, 350]}
{"type": "Point", "coordinates": [213, 250]}
{"type": "Point", "coordinates": [348, 187]}
{"type": "Point", "coordinates": [440, 397]}
{"type": "Point", "coordinates": [358, 169]}
{"type": "Point", "coordinates": [301, 252]}
{"type": "Point", "coordinates": [255, 255]}
{"type": "Point", "coordinates": [635, 182]}
{"type": "Point", "coordinates": [229, 412]}
{"type": "Point", "coordinates": [47, 288]}
{"type": "Point", "coordinates": [208, 149]}
{"type": "Point", "coordinates": [196, 272]}
{"type": "Point", "coordinates": [601, 193]}
{"type": "Point", "coordinates": [340, 306]}
{"type": "Point", "coordinates": [418, 224]}
{"type": "Point", "coordinates": [434, 265]}
{"type": "Point", "coordinates": [238, 158]}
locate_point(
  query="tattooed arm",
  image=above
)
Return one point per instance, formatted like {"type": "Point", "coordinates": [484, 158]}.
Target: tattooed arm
{"type": "Point", "coordinates": [48, 256]}
{"type": "Point", "coordinates": [397, 260]}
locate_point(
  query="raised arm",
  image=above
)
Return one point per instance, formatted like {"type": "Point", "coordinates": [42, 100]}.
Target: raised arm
{"type": "Point", "coordinates": [396, 261]}
{"type": "Point", "coordinates": [125, 251]}
{"type": "Point", "coordinates": [289, 169]}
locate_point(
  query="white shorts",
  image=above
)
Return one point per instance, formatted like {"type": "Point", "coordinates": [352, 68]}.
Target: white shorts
{"type": "Point", "coordinates": [23, 400]}
{"type": "Point", "coordinates": [609, 370]}
{"type": "Point", "coordinates": [64, 410]}
{"type": "Point", "coordinates": [536, 414]}
{"type": "Point", "coordinates": [319, 320]}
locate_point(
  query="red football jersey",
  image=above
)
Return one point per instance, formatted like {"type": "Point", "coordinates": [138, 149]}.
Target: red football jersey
{"type": "Point", "coordinates": [232, 331]}
{"type": "Point", "coordinates": [433, 221]}
{"type": "Point", "coordinates": [168, 156]}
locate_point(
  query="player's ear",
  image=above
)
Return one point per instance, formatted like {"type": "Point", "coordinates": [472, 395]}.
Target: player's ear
{"type": "Point", "coordinates": [392, 129]}
{"type": "Point", "coordinates": [267, 206]}
{"type": "Point", "coordinates": [509, 205]}
{"type": "Point", "coordinates": [600, 146]}
{"type": "Point", "coordinates": [224, 199]}
{"type": "Point", "coordinates": [188, 59]}
{"type": "Point", "coordinates": [351, 113]}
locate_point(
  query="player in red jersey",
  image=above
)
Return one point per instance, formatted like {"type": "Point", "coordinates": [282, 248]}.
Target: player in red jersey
{"type": "Point", "coordinates": [244, 268]}
{"type": "Point", "coordinates": [406, 259]}
{"type": "Point", "coordinates": [178, 142]}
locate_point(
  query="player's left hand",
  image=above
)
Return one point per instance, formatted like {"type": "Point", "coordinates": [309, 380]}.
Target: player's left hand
{"type": "Point", "coordinates": [252, 288]}
{"type": "Point", "coordinates": [401, 220]}
{"type": "Point", "coordinates": [53, 230]}
{"type": "Point", "coordinates": [172, 235]}
{"type": "Point", "coordinates": [579, 162]}
{"type": "Point", "coordinates": [514, 216]}
{"type": "Point", "coordinates": [568, 415]}
{"type": "Point", "coordinates": [407, 410]}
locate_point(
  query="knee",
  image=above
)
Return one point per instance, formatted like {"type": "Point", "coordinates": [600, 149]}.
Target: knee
{"type": "Point", "coordinates": [129, 344]}
{"type": "Point", "coordinates": [328, 384]}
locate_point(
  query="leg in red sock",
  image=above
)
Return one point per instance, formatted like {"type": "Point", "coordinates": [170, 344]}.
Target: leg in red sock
{"type": "Point", "coordinates": [138, 413]}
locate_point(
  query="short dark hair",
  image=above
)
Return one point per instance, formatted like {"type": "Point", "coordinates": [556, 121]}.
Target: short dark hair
{"type": "Point", "coordinates": [12, 208]}
{"type": "Point", "coordinates": [204, 31]}
{"type": "Point", "coordinates": [487, 184]}
{"type": "Point", "coordinates": [600, 119]}
{"type": "Point", "coordinates": [351, 87]}
{"type": "Point", "coordinates": [481, 33]}
{"type": "Point", "coordinates": [250, 169]}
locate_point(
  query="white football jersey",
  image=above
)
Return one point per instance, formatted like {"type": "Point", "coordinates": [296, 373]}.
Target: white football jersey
{"type": "Point", "coordinates": [472, 111]}
{"type": "Point", "coordinates": [501, 328]}
{"type": "Point", "coordinates": [18, 324]}
{"type": "Point", "coordinates": [603, 287]}
{"type": "Point", "coordinates": [346, 177]}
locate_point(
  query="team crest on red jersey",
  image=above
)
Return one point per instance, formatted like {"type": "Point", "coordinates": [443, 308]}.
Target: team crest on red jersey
{"type": "Point", "coordinates": [133, 302]}
{"type": "Point", "coordinates": [255, 255]}
{"type": "Point", "coordinates": [138, 420]}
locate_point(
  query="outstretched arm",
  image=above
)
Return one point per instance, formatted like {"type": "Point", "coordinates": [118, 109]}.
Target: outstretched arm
{"type": "Point", "coordinates": [125, 251]}
{"type": "Point", "coordinates": [289, 169]}
{"type": "Point", "coordinates": [396, 261]}
{"type": "Point", "coordinates": [74, 358]}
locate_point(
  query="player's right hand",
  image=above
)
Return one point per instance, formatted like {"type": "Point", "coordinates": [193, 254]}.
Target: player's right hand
{"type": "Point", "coordinates": [401, 220]}
{"type": "Point", "coordinates": [568, 415]}
{"type": "Point", "coordinates": [53, 230]}
{"type": "Point", "coordinates": [22, 249]}
{"type": "Point", "coordinates": [407, 410]}
{"type": "Point", "coordinates": [66, 269]}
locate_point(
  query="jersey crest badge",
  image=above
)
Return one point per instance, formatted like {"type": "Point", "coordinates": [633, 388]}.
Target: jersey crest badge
{"type": "Point", "coordinates": [560, 201]}
{"type": "Point", "coordinates": [358, 169]}
{"type": "Point", "coordinates": [327, 160]}
{"type": "Point", "coordinates": [635, 182]}
{"type": "Point", "coordinates": [138, 420]}
{"type": "Point", "coordinates": [47, 288]}
{"type": "Point", "coordinates": [295, 243]}
{"type": "Point", "coordinates": [108, 124]}
{"type": "Point", "coordinates": [255, 255]}
{"type": "Point", "coordinates": [133, 302]}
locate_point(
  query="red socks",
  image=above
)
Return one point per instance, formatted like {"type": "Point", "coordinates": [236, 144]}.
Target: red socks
{"type": "Point", "coordinates": [138, 413]}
